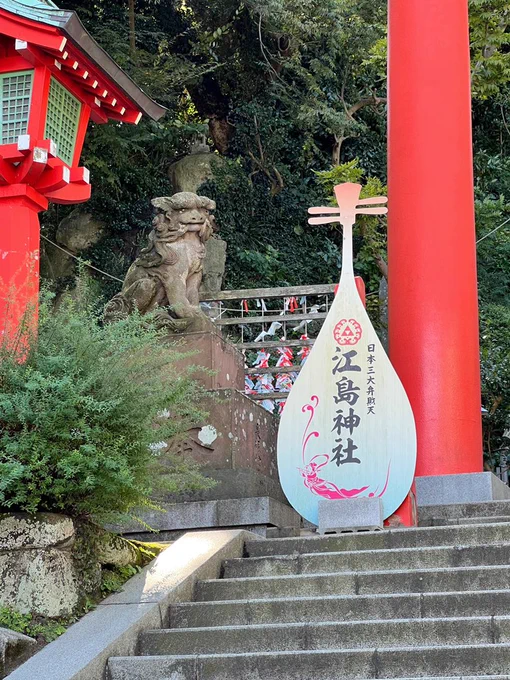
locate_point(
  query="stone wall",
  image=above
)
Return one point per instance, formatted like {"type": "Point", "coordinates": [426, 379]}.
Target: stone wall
{"type": "Point", "coordinates": [49, 564]}
{"type": "Point", "coordinates": [37, 572]}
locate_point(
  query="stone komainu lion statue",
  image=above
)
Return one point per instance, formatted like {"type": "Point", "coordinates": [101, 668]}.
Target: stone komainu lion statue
{"type": "Point", "coordinates": [166, 277]}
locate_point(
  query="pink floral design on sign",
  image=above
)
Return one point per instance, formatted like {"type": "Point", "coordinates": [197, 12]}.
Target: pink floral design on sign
{"type": "Point", "coordinates": [310, 471]}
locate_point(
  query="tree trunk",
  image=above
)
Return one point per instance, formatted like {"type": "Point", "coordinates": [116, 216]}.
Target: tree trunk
{"type": "Point", "coordinates": [337, 148]}
{"type": "Point", "coordinates": [132, 35]}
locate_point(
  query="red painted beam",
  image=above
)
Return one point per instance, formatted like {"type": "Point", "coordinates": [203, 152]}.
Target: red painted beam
{"type": "Point", "coordinates": [11, 64]}
{"type": "Point", "coordinates": [433, 313]}
{"type": "Point", "coordinates": [81, 132]}
{"type": "Point", "coordinates": [40, 94]}
{"type": "Point", "coordinates": [42, 35]}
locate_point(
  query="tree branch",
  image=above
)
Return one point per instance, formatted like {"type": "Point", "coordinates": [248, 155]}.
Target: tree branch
{"type": "Point", "coordinates": [374, 100]}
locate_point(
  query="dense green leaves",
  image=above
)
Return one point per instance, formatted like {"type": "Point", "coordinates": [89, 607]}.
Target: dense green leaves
{"type": "Point", "coordinates": [82, 415]}
{"type": "Point", "coordinates": [490, 41]}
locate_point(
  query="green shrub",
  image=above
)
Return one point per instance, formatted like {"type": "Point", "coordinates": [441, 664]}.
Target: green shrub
{"type": "Point", "coordinates": [41, 628]}
{"type": "Point", "coordinates": [84, 416]}
{"type": "Point", "coordinates": [114, 578]}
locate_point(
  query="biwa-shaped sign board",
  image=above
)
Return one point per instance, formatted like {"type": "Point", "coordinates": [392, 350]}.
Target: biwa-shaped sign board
{"type": "Point", "coordinates": [347, 429]}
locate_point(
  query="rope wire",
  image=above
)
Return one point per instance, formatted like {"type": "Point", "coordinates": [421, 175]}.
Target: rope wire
{"type": "Point", "coordinates": [78, 259]}
{"type": "Point", "coordinates": [493, 231]}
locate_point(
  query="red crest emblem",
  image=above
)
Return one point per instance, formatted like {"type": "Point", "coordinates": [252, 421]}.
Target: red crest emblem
{"type": "Point", "coordinates": [347, 332]}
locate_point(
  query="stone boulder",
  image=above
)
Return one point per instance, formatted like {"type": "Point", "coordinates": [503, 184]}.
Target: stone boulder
{"type": "Point", "coordinates": [75, 233]}
{"type": "Point", "coordinates": [43, 530]}
{"type": "Point", "coordinates": [49, 564]}
{"type": "Point", "coordinates": [78, 231]}
{"type": "Point", "coordinates": [55, 263]}
{"type": "Point", "coordinates": [37, 572]}
{"type": "Point", "coordinates": [113, 550]}
{"type": "Point", "coordinates": [15, 648]}
{"type": "Point", "coordinates": [190, 172]}
{"type": "Point", "coordinates": [214, 265]}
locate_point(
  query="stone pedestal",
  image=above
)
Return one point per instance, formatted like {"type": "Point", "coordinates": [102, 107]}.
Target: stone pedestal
{"type": "Point", "coordinates": [237, 448]}
{"type": "Point", "coordinates": [254, 514]}
{"type": "Point", "coordinates": [236, 444]}
{"type": "Point", "coordinates": [350, 514]}
{"type": "Point", "coordinates": [224, 364]}
{"type": "Point", "coordinates": [473, 487]}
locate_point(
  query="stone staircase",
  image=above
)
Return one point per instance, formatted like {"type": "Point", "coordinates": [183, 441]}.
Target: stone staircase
{"type": "Point", "coordinates": [430, 602]}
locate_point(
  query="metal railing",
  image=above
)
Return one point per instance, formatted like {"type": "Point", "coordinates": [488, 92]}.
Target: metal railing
{"type": "Point", "coordinates": [273, 327]}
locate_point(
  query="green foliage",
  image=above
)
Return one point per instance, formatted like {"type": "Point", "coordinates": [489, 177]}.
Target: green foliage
{"type": "Point", "coordinates": [310, 55]}
{"type": "Point", "coordinates": [282, 76]}
{"type": "Point", "coordinates": [495, 356]}
{"type": "Point", "coordinates": [268, 242]}
{"type": "Point", "coordinates": [113, 579]}
{"type": "Point", "coordinates": [490, 39]}
{"type": "Point", "coordinates": [35, 627]}
{"type": "Point", "coordinates": [79, 417]}
{"type": "Point", "coordinates": [370, 244]}
{"type": "Point", "coordinates": [494, 250]}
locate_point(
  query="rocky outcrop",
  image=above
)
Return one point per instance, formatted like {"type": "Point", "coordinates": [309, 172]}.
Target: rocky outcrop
{"type": "Point", "coordinates": [108, 549]}
{"type": "Point", "coordinates": [14, 649]}
{"type": "Point", "coordinates": [37, 573]}
{"type": "Point", "coordinates": [48, 564]}
{"type": "Point", "coordinates": [79, 231]}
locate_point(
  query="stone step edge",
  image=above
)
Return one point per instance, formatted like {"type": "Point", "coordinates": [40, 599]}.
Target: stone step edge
{"type": "Point", "coordinates": [453, 506]}
{"type": "Point", "coordinates": [462, 521]}
{"type": "Point", "coordinates": [379, 551]}
{"type": "Point", "coordinates": [409, 531]}
{"type": "Point", "coordinates": [378, 572]}
{"type": "Point", "coordinates": [392, 530]}
{"type": "Point", "coordinates": [300, 624]}
{"type": "Point", "coordinates": [302, 652]}
{"type": "Point", "coordinates": [373, 659]}
{"type": "Point", "coordinates": [341, 596]}
{"type": "Point", "coordinates": [304, 598]}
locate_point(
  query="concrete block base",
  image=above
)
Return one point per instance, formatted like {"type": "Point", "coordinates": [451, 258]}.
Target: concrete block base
{"type": "Point", "coordinates": [473, 487]}
{"type": "Point", "coordinates": [353, 514]}
{"type": "Point", "coordinates": [235, 512]}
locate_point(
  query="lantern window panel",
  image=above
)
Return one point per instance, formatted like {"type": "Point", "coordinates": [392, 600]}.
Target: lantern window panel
{"type": "Point", "coordinates": [62, 120]}
{"type": "Point", "coordinates": [15, 95]}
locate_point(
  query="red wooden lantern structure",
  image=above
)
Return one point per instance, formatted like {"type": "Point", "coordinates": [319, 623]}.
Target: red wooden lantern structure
{"type": "Point", "coordinates": [54, 78]}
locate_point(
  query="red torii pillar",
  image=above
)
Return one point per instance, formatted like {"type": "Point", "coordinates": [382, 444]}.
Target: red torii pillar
{"type": "Point", "coordinates": [433, 305]}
